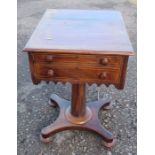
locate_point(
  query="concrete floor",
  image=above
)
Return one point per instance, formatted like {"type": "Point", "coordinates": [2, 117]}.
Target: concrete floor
{"type": "Point", "coordinates": [33, 110]}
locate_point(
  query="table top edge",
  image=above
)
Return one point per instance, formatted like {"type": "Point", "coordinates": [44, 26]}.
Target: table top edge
{"type": "Point", "coordinates": [71, 51]}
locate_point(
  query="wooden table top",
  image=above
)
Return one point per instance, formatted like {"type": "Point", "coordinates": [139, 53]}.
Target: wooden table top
{"type": "Point", "coordinates": [81, 31]}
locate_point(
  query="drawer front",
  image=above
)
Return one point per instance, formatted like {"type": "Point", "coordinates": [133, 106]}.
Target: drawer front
{"type": "Point", "coordinates": [77, 74]}
{"type": "Point", "coordinates": [85, 60]}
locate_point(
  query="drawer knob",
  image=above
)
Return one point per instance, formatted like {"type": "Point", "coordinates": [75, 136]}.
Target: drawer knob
{"type": "Point", "coordinates": [104, 61]}
{"type": "Point", "coordinates": [49, 57]}
{"type": "Point", "coordinates": [50, 72]}
{"type": "Point", "coordinates": [103, 75]}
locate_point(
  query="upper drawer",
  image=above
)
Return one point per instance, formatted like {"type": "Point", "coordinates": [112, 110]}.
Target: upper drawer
{"type": "Point", "coordinates": [87, 60]}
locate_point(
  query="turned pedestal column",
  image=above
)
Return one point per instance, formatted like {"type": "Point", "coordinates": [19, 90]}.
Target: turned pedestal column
{"type": "Point", "coordinates": [78, 113]}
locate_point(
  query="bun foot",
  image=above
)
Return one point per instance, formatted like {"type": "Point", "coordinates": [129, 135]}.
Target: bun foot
{"type": "Point", "coordinates": [108, 107]}
{"type": "Point", "coordinates": [52, 104]}
{"type": "Point", "coordinates": [53, 101]}
{"type": "Point", "coordinates": [45, 140]}
{"type": "Point", "coordinates": [109, 144]}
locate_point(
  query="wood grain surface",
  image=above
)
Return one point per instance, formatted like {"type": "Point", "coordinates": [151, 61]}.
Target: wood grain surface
{"type": "Point", "coordinates": [81, 31]}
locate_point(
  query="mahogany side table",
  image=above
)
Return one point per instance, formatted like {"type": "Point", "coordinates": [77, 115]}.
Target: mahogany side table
{"type": "Point", "coordinates": [79, 46]}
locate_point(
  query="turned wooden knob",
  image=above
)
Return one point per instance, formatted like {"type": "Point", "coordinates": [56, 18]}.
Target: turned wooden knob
{"type": "Point", "coordinates": [104, 61]}
{"type": "Point", "coordinates": [50, 72]}
{"type": "Point", "coordinates": [49, 57]}
{"type": "Point", "coordinates": [103, 75]}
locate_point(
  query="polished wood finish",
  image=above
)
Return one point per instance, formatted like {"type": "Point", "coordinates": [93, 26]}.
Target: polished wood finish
{"type": "Point", "coordinates": [79, 32]}
{"type": "Point", "coordinates": [79, 47]}
{"type": "Point", "coordinates": [78, 100]}
{"type": "Point", "coordinates": [77, 68]}
{"type": "Point", "coordinates": [92, 125]}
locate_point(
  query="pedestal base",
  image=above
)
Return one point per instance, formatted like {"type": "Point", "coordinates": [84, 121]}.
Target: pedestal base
{"type": "Point", "coordinates": [89, 122]}
{"type": "Point", "coordinates": [78, 120]}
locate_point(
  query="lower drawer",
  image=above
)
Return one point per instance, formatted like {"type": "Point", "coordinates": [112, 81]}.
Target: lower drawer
{"type": "Point", "coordinates": [74, 74]}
